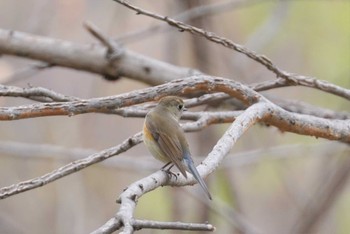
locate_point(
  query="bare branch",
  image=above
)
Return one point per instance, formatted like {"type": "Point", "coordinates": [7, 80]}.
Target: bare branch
{"type": "Point", "coordinates": [307, 109]}
{"type": "Point", "coordinates": [284, 120]}
{"type": "Point", "coordinates": [134, 191]}
{"type": "Point", "coordinates": [62, 154]}
{"type": "Point", "coordinates": [110, 44]}
{"type": "Point", "coordinates": [313, 126]}
{"type": "Point", "coordinates": [289, 77]}
{"type": "Point", "coordinates": [266, 112]}
{"type": "Point", "coordinates": [177, 87]}
{"type": "Point", "coordinates": [93, 58]}
{"type": "Point", "coordinates": [90, 58]}
{"type": "Point", "coordinates": [111, 61]}
{"type": "Point", "coordinates": [114, 50]}
{"type": "Point", "coordinates": [45, 95]}
{"type": "Point", "coordinates": [142, 224]}
{"type": "Point", "coordinates": [137, 224]}
{"type": "Point", "coordinates": [193, 13]}
{"type": "Point", "coordinates": [78, 165]}
{"type": "Point", "coordinates": [35, 93]}
{"type": "Point", "coordinates": [69, 168]}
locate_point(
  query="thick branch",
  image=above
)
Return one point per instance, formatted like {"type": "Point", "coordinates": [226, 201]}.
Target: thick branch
{"type": "Point", "coordinates": [45, 95]}
{"type": "Point", "coordinates": [93, 58]}
{"type": "Point", "coordinates": [312, 126]}
{"type": "Point", "coordinates": [177, 87]}
{"type": "Point", "coordinates": [88, 57]}
{"type": "Point", "coordinates": [284, 120]}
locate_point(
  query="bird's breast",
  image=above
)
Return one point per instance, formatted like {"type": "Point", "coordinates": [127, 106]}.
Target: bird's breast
{"type": "Point", "coordinates": [152, 145]}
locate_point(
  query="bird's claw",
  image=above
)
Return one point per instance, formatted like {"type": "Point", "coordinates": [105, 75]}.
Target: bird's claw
{"type": "Point", "coordinates": [169, 173]}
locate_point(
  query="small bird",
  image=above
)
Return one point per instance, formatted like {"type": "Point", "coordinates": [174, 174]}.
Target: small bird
{"type": "Point", "coordinates": [165, 139]}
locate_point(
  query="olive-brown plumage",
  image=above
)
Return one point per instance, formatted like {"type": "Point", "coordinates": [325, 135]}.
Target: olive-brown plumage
{"type": "Point", "coordinates": [166, 140]}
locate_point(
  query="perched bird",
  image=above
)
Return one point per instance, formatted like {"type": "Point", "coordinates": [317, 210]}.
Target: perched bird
{"type": "Point", "coordinates": [165, 139]}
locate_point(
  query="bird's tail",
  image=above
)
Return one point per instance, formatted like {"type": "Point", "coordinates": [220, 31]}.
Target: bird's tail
{"type": "Point", "coordinates": [191, 167]}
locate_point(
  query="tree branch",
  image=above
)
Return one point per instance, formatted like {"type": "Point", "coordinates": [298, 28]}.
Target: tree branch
{"type": "Point", "coordinates": [191, 14]}
{"type": "Point", "coordinates": [90, 58]}
{"type": "Point", "coordinates": [102, 60]}
{"type": "Point", "coordinates": [70, 168]}
{"type": "Point", "coordinates": [35, 93]}
{"type": "Point", "coordinates": [143, 224]}
{"type": "Point", "coordinates": [263, 60]}
{"type": "Point", "coordinates": [284, 120]}
{"type": "Point", "coordinates": [129, 197]}
{"type": "Point", "coordinates": [177, 87]}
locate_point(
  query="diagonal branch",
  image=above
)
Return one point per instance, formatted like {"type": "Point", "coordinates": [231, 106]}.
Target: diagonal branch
{"type": "Point", "coordinates": [185, 16]}
{"type": "Point", "coordinates": [129, 197]}
{"type": "Point", "coordinates": [92, 58]}
{"type": "Point", "coordinates": [70, 168]}
{"type": "Point", "coordinates": [94, 158]}
{"type": "Point", "coordinates": [289, 77]}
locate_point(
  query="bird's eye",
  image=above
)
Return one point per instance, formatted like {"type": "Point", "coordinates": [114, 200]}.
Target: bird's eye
{"type": "Point", "coordinates": [180, 107]}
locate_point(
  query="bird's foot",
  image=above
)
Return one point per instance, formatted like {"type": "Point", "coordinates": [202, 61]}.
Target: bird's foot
{"type": "Point", "coordinates": [167, 170]}
{"type": "Point", "coordinates": [169, 173]}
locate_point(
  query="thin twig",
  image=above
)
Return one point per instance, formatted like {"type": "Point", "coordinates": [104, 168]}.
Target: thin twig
{"type": "Point", "coordinates": [139, 224]}
{"type": "Point", "coordinates": [35, 93]}
{"type": "Point", "coordinates": [266, 62]}
{"type": "Point", "coordinates": [69, 168]}
{"type": "Point", "coordinates": [193, 13]}
{"type": "Point", "coordinates": [92, 58]}
{"type": "Point", "coordinates": [114, 49]}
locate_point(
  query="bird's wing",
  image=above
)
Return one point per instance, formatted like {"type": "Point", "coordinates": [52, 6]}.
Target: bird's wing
{"type": "Point", "coordinates": [169, 144]}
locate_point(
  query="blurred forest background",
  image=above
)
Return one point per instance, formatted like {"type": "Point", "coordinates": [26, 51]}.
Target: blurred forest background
{"type": "Point", "coordinates": [267, 179]}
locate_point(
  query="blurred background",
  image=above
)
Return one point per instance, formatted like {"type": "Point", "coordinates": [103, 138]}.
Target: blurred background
{"type": "Point", "coordinates": [269, 176]}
